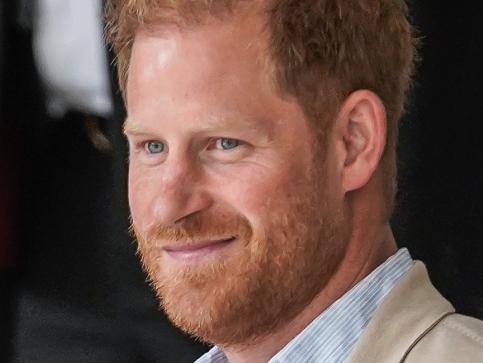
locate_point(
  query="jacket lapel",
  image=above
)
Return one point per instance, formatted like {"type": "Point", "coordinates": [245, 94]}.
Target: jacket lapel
{"type": "Point", "coordinates": [410, 310]}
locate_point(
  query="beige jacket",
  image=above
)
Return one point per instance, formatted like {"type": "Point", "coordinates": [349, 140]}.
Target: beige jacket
{"type": "Point", "coordinates": [415, 324]}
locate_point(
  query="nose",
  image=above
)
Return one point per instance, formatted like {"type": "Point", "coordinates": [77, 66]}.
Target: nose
{"type": "Point", "coordinates": [180, 193]}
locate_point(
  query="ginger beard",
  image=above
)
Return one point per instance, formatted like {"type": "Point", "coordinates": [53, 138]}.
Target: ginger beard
{"type": "Point", "coordinates": [281, 264]}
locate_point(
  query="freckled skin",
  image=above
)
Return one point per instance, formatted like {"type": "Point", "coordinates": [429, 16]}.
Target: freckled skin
{"type": "Point", "coordinates": [177, 81]}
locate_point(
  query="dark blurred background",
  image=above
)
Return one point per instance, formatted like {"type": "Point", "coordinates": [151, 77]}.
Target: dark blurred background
{"type": "Point", "coordinates": [71, 289]}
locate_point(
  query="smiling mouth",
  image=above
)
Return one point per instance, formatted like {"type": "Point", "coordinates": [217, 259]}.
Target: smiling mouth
{"type": "Point", "coordinates": [191, 252]}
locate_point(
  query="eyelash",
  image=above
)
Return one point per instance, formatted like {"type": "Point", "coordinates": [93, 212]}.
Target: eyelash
{"type": "Point", "coordinates": [146, 147]}
{"type": "Point", "coordinates": [215, 142]}
{"type": "Point", "coordinates": [237, 150]}
{"type": "Point", "coordinates": [142, 145]}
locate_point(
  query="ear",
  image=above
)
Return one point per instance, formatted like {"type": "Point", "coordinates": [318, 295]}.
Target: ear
{"type": "Point", "coordinates": [361, 138]}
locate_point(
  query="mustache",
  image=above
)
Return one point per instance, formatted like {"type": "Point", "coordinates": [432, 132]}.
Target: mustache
{"type": "Point", "coordinates": [206, 226]}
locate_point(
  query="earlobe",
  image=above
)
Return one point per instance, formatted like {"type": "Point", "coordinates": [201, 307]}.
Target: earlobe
{"type": "Point", "coordinates": [364, 138]}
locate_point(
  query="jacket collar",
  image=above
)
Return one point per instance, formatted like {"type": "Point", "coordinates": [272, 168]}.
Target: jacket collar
{"type": "Point", "coordinates": [410, 310]}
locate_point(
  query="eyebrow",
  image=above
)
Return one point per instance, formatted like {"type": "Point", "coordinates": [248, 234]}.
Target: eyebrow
{"type": "Point", "coordinates": [210, 124]}
{"type": "Point", "coordinates": [131, 127]}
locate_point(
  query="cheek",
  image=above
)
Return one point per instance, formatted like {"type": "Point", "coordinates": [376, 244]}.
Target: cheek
{"type": "Point", "coordinates": [140, 192]}
{"type": "Point", "coordinates": [255, 192]}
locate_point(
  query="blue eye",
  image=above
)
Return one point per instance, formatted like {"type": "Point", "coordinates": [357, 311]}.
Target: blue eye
{"type": "Point", "coordinates": [227, 144]}
{"type": "Point", "coordinates": [154, 147]}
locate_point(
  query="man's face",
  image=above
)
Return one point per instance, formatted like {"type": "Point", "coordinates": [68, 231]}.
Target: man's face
{"type": "Point", "coordinates": [239, 220]}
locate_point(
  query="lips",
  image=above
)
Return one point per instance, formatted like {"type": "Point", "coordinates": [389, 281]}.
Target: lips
{"type": "Point", "coordinates": [200, 249]}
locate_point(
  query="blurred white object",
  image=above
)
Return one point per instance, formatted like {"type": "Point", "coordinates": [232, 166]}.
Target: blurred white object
{"type": "Point", "coordinates": [70, 56]}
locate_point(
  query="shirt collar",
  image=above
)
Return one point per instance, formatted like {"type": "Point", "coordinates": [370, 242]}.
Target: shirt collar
{"type": "Point", "coordinates": [331, 336]}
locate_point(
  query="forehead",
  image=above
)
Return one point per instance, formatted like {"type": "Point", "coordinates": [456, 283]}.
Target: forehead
{"type": "Point", "coordinates": [235, 44]}
{"type": "Point", "coordinates": [221, 62]}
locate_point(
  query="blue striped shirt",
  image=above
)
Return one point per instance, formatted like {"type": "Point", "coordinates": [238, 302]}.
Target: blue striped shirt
{"type": "Point", "coordinates": [330, 337]}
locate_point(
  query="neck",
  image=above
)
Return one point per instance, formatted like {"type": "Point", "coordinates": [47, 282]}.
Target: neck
{"type": "Point", "coordinates": [371, 243]}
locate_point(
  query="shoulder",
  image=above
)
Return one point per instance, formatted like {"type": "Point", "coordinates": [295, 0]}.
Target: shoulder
{"type": "Point", "coordinates": [456, 338]}
{"type": "Point", "coordinates": [416, 324]}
